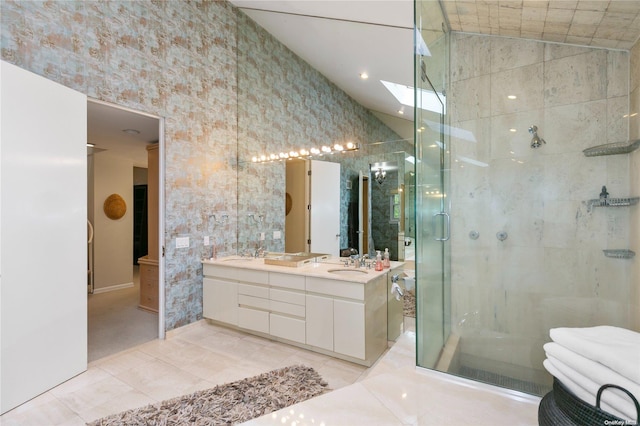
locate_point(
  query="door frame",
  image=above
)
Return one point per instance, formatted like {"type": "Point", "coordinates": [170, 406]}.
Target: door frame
{"type": "Point", "coordinates": [161, 207]}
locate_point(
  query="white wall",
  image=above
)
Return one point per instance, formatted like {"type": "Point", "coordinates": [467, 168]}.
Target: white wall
{"type": "Point", "coordinates": [113, 241]}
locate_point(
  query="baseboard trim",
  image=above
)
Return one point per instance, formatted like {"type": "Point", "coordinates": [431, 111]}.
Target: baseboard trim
{"type": "Point", "coordinates": [112, 288]}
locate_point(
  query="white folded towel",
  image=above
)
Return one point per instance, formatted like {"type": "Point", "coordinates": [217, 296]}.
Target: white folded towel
{"type": "Point", "coordinates": [595, 371]}
{"type": "Point", "coordinates": [614, 347]}
{"type": "Point", "coordinates": [579, 391]}
{"type": "Point", "coordinates": [614, 398]}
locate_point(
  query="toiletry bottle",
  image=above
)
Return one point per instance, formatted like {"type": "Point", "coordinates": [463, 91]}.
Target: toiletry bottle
{"type": "Point", "coordinates": [378, 261]}
{"type": "Point", "coordinates": [386, 262]}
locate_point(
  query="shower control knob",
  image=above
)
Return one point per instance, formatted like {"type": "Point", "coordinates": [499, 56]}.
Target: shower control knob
{"type": "Point", "coordinates": [502, 235]}
{"type": "Point", "coordinates": [474, 235]}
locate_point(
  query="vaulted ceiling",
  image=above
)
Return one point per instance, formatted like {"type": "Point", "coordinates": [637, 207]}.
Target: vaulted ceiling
{"type": "Point", "coordinates": [599, 23]}
{"type": "Point", "coordinates": [343, 38]}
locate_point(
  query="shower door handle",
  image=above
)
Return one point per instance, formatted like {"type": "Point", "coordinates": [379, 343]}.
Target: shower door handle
{"type": "Point", "coordinates": [447, 221]}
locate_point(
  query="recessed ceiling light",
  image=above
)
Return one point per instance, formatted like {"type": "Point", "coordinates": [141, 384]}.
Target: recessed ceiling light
{"type": "Point", "coordinates": [400, 112]}
{"type": "Point", "coordinates": [512, 97]}
{"type": "Point", "coordinates": [364, 75]}
{"type": "Point", "coordinates": [132, 131]}
{"type": "Point", "coordinates": [513, 130]}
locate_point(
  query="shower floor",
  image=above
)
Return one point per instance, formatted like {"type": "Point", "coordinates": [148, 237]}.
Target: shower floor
{"type": "Point", "coordinates": [504, 381]}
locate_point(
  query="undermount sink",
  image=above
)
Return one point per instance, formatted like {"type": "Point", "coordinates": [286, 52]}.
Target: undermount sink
{"type": "Point", "coordinates": [347, 271]}
{"type": "Point", "coordinates": [237, 258]}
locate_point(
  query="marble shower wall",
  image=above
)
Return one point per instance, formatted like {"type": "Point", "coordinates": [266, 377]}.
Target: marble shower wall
{"type": "Point", "coordinates": [551, 270]}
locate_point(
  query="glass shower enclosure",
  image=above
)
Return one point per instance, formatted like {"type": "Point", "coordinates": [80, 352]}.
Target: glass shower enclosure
{"type": "Point", "coordinates": [433, 308]}
{"type": "Point", "coordinates": [511, 238]}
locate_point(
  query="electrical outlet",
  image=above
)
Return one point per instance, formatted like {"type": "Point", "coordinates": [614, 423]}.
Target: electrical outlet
{"type": "Point", "coordinates": [262, 236]}
{"type": "Point", "coordinates": [182, 242]}
{"type": "Point", "coordinates": [277, 235]}
{"type": "Point", "coordinates": [206, 240]}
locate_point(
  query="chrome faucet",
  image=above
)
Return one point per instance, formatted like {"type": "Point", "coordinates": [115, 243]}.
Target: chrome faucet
{"type": "Point", "coordinates": [260, 252]}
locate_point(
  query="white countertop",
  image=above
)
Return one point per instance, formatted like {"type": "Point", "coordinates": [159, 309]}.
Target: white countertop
{"type": "Point", "coordinates": [319, 269]}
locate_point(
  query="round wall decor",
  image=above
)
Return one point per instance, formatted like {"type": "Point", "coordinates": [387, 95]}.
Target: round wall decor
{"type": "Point", "coordinates": [288, 203]}
{"type": "Point", "coordinates": [114, 207]}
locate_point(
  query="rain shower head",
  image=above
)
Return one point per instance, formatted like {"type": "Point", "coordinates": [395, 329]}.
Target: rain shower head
{"type": "Point", "coordinates": [536, 141]}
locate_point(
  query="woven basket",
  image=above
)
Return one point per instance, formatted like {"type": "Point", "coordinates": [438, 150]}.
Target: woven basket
{"type": "Point", "coordinates": [561, 407]}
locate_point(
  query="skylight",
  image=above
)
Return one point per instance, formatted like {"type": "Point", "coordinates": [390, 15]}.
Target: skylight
{"type": "Point", "coordinates": [427, 99]}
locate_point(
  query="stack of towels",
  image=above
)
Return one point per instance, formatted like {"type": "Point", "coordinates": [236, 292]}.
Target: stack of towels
{"type": "Point", "coordinates": [584, 359]}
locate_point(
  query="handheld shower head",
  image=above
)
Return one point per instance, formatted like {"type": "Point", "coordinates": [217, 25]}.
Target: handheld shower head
{"type": "Point", "coordinates": [536, 141]}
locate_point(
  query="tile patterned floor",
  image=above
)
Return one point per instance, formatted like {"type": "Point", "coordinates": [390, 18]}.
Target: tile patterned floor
{"type": "Point", "coordinates": [202, 355]}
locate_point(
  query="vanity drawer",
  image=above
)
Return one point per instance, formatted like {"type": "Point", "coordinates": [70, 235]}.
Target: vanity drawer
{"type": "Point", "coordinates": [250, 276]}
{"type": "Point", "coordinates": [287, 328]}
{"type": "Point", "coordinates": [252, 319]}
{"type": "Point", "coordinates": [217, 271]}
{"type": "Point", "coordinates": [287, 308]}
{"type": "Point", "coordinates": [253, 290]}
{"type": "Point", "coordinates": [295, 282]}
{"type": "Point", "coordinates": [254, 302]}
{"type": "Point", "coordinates": [346, 289]}
{"type": "Point", "coordinates": [287, 296]}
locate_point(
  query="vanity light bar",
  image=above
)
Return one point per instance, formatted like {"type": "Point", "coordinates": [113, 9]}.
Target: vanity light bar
{"type": "Point", "coordinates": [349, 146]}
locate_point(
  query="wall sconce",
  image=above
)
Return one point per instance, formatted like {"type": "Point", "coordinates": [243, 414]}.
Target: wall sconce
{"type": "Point", "coordinates": [380, 175]}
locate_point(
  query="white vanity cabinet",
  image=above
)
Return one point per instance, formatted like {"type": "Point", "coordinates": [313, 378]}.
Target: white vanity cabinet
{"type": "Point", "coordinates": [320, 321]}
{"type": "Point", "coordinates": [220, 300]}
{"type": "Point", "coordinates": [253, 307]}
{"type": "Point", "coordinates": [288, 306]}
{"type": "Point", "coordinates": [347, 318]}
{"type": "Point", "coordinates": [223, 288]}
{"type": "Point", "coordinates": [341, 318]}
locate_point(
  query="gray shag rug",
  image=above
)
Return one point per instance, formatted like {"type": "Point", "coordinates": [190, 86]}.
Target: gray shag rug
{"type": "Point", "coordinates": [227, 404]}
{"type": "Point", "coordinates": [409, 303]}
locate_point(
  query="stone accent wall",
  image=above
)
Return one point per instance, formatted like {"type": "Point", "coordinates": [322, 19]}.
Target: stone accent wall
{"type": "Point", "coordinates": [179, 60]}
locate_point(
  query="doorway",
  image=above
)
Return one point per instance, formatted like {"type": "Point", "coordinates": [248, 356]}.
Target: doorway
{"type": "Point", "coordinates": [125, 274]}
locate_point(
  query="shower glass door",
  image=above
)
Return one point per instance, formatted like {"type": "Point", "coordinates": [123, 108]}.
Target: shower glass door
{"type": "Point", "coordinates": [433, 284]}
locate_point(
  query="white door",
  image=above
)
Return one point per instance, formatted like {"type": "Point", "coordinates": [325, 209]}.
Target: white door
{"type": "Point", "coordinates": [43, 300]}
{"type": "Point", "coordinates": [325, 207]}
{"type": "Point", "coordinates": [361, 215]}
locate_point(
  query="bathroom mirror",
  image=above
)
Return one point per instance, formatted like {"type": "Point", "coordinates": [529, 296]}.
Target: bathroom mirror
{"type": "Point", "coordinates": [285, 106]}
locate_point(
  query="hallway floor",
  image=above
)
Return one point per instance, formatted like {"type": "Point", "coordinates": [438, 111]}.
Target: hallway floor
{"type": "Point", "coordinates": [115, 323]}
{"type": "Point", "coordinates": [202, 355]}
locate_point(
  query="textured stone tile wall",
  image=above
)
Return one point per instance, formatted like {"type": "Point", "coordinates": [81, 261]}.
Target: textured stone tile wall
{"type": "Point", "coordinates": [551, 270]}
{"type": "Point", "coordinates": [178, 60]}
{"type": "Point", "coordinates": [285, 105]}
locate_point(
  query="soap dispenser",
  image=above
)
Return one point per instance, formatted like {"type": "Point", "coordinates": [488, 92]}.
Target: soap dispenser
{"type": "Point", "coordinates": [378, 261]}
{"type": "Point", "coordinates": [386, 262]}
